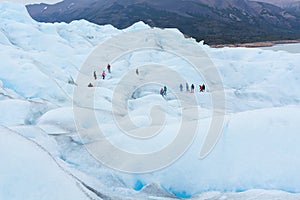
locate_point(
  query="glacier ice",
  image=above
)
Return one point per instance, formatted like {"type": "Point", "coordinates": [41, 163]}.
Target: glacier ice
{"type": "Point", "coordinates": [257, 154]}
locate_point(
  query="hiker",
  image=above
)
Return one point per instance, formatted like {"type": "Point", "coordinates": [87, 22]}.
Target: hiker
{"type": "Point", "coordinates": [192, 88]}
{"type": "Point", "coordinates": [137, 71]}
{"type": "Point", "coordinates": [162, 92]}
{"type": "Point", "coordinates": [187, 86]}
{"type": "Point", "coordinates": [200, 88]}
{"type": "Point", "coordinates": [203, 87]}
{"type": "Point", "coordinates": [103, 75]}
{"type": "Point", "coordinates": [181, 87]}
{"type": "Point", "coordinates": [108, 68]}
{"type": "Point", "coordinates": [95, 75]}
{"type": "Point", "coordinates": [165, 90]}
{"type": "Point", "coordinates": [90, 85]}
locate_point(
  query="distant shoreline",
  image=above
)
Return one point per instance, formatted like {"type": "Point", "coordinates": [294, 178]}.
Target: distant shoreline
{"type": "Point", "coordinates": [257, 44]}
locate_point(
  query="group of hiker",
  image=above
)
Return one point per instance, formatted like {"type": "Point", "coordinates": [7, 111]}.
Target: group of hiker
{"type": "Point", "coordinates": [201, 87]}
{"type": "Point", "coordinates": [163, 91]}
{"type": "Point", "coordinates": [103, 74]}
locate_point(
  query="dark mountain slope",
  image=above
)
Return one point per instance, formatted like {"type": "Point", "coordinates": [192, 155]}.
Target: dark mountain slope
{"type": "Point", "coordinates": [215, 21]}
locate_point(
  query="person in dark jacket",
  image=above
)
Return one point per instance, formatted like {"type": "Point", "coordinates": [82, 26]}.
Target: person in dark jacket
{"type": "Point", "coordinates": [95, 75]}
{"type": "Point", "coordinates": [192, 88]}
{"type": "Point", "coordinates": [108, 68]}
{"type": "Point", "coordinates": [165, 90]}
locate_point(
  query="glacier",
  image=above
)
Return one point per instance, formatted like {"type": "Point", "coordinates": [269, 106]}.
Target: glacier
{"type": "Point", "coordinates": [43, 157]}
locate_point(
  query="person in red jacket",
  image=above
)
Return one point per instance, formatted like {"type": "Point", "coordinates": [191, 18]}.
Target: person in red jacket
{"type": "Point", "coordinates": [103, 75]}
{"type": "Point", "coordinates": [162, 92]}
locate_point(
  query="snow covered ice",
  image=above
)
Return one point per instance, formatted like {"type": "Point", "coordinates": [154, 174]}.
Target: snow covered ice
{"type": "Point", "coordinates": [43, 157]}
